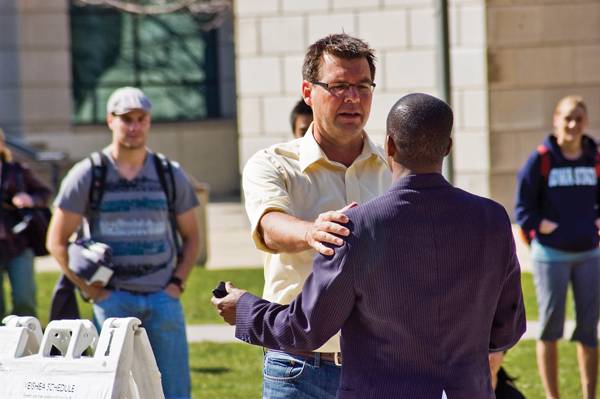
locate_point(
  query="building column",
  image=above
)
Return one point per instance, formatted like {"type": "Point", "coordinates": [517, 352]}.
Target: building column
{"type": "Point", "coordinates": [10, 103]}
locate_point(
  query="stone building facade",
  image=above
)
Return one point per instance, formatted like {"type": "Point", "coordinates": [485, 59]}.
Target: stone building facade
{"type": "Point", "coordinates": [538, 51]}
{"type": "Point", "coordinates": [511, 60]}
{"type": "Point", "coordinates": [36, 98]}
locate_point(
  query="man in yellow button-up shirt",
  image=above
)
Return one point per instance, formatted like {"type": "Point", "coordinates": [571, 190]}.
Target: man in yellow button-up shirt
{"type": "Point", "coordinates": [293, 190]}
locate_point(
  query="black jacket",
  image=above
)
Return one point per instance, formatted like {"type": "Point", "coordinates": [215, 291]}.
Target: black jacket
{"type": "Point", "coordinates": [15, 178]}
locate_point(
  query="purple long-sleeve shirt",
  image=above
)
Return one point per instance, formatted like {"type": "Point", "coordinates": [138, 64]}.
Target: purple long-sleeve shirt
{"type": "Point", "coordinates": [426, 285]}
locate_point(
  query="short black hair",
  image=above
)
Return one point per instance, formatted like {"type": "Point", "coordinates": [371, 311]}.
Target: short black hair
{"type": "Point", "coordinates": [301, 108]}
{"type": "Point", "coordinates": [339, 45]}
{"type": "Point", "coordinates": [420, 126]}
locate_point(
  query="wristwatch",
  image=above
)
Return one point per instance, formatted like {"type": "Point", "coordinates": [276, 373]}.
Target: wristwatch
{"type": "Point", "coordinates": [178, 282]}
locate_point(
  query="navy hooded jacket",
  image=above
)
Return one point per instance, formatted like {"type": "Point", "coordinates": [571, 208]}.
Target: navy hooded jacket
{"type": "Point", "coordinates": [567, 194]}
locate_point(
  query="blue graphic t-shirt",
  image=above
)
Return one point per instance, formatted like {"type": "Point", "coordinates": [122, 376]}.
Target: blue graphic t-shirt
{"type": "Point", "coordinates": [133, 220]}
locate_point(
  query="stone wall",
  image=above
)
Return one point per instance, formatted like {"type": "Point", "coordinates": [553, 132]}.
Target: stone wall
{"type": "Point", "coordinates": [35, 70]}
{"type": "Point", "coordinates": [10, 104]}
{"type": "Point", "coordinates": [538, 52]}
{"type": "Point", "coordinates": [272, 35]}
{"type": "Point", "coordinates": [469, 95]}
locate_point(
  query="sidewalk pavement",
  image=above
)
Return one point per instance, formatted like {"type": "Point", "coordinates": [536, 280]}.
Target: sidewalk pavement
{"type": "Point", "coordinates": [211, 332]}
{"type": "Point", "coordinates": [226, 333]}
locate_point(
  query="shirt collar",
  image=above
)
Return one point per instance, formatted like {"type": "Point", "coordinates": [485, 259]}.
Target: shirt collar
{"type": "Point", "coordinates": [311, 152]}
{"type": "Point", "coordinates": [420, 181]}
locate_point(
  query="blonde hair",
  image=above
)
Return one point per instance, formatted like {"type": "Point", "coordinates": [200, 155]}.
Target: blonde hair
{"type": "Point", "coordinates": [573, 100]}
{"type": "Point", "coordinates": [5, 153]}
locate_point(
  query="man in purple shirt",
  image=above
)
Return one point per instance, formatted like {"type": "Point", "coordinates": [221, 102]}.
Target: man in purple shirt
{"type": "Point", "coordinates": [426, 285]}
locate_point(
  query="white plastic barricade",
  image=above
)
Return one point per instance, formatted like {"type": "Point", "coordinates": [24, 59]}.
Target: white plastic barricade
{"type": "Point", "coordinates": [119, 364]}
{"type": "Point", "coordinates": [20, 337]}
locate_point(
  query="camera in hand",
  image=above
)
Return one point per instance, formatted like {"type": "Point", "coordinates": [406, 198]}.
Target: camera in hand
{"type": "Point", "coordinates": [220, 291]}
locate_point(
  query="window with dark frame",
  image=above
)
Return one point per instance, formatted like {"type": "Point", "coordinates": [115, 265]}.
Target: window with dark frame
{"type": "Point", "coordinates": [168, 56]}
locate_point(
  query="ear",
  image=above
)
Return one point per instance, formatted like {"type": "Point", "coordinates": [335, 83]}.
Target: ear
{"type": "Point", "coordinates": [449, 146]}
{"type": "Point", "coordinates": [109, 118]}
{"type": "Point", "coordinates": [306, 91]}
{"type": "Point", "coordinates": [390, 146]}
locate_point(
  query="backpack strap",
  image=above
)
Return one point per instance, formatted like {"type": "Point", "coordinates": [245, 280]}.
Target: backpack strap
{"type": "Point", "coordinates": [545, 160]}
{"type": "Point", "coordinates": [597, 164]}
{"type": "Point", "coordinates": [526, 236]}
{"type": "Point", "coordinates": [164, 170]}
{"type": "Point", "coordinates": [98, 161]}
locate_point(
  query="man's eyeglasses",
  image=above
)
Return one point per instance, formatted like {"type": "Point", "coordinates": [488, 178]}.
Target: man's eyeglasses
{"type": "Point", "coordinates": [342, 88]}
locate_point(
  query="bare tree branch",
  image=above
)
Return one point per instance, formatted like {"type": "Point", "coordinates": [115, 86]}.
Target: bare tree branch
{"type": "Point", "coordinates": [218, 9]}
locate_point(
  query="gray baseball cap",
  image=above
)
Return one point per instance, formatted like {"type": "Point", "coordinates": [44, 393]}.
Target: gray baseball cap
{"type": "Point", "coordinates": [127, 99]}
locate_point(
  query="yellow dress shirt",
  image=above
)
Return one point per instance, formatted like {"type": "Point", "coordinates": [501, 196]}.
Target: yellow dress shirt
{"type": "Point", "coordinates": [297, 178]}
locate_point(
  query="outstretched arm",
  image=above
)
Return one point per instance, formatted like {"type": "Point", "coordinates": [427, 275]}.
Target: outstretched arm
{"type": "Point", "coordinates": [284, 233]}
{"type": "Point", "coordinates": [317, 313]}
{"type": "Point", "coordinates": [275, 228]}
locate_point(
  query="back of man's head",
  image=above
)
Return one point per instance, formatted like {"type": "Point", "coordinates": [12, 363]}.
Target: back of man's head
{"type": "Point", "coordinates": [339, 45]}
{"type": "Point", "coordinates": [420, 126]}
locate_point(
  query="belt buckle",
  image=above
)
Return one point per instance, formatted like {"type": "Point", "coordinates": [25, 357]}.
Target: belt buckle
{"type": "Point", "coordinates": [337, 358]}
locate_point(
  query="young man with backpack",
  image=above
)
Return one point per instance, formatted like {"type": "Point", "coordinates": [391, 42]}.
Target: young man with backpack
{"type": "Point", "coordinates": [133, 200]}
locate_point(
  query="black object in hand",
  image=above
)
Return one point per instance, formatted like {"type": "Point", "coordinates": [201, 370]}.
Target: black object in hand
{"type": "Point", "coordinates": [220, 291]}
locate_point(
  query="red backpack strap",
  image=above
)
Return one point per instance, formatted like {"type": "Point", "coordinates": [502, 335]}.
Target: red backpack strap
{"type": "Point", "coordinates": [597, 164]}
{"type": "Point", "coordinates": [545, 161]}
{"type": "Point", "coordinates": [526, 236]}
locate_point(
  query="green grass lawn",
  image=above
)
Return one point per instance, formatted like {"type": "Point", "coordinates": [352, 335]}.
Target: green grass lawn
{"type": "Point", "coordinates": [223, 371]}
{"type": "Point", "coordinates": [234, 370]}
{"type": "Point", "coordinates": [196, 299]}
{"type": "Point", "coordinates": [226, 371]}
{"type": "Point", "coordinates": [520, 362]}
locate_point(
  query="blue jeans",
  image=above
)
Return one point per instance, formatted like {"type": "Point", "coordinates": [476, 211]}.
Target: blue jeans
{"type": "Point", "coordinates": [293, 377]}
{"type": "Point", "coordinates": [22, 284]}
{"type": "Point", "coordinates": [162, 317]}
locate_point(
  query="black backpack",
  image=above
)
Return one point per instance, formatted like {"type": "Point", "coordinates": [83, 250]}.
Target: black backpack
{"type": "Point", "coordinates": [164, 170]}
{"type": "Point", "coordinates": [506, 389]}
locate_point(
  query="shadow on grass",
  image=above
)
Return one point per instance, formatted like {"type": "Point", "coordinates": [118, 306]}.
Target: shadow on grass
{"type": "Point", "coordinates": [211, 370]}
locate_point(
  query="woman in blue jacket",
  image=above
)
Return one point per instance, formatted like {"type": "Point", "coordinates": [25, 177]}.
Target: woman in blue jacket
{"type": "Point", "coordinates": [557, 209]}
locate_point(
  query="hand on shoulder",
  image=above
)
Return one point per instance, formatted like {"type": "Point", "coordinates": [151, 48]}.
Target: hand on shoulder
{"type": "Point", "coordinates": [326, 228]}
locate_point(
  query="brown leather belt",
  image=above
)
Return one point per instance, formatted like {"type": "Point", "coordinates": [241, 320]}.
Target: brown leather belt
{"type": "Point", "coordinates": [332, 357]}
